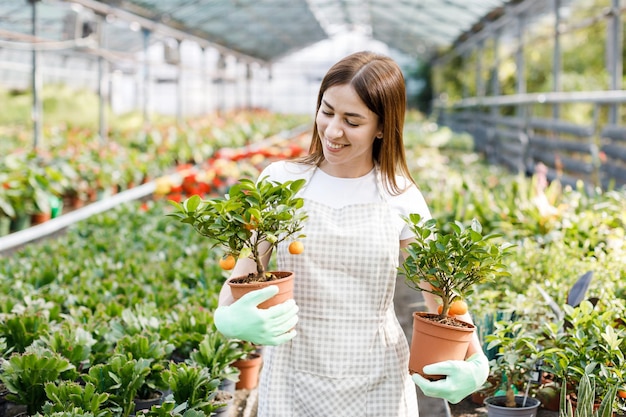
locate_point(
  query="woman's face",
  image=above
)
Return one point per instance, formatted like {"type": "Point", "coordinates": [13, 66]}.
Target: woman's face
{"type": "Point", "coordinates": [347, 129]}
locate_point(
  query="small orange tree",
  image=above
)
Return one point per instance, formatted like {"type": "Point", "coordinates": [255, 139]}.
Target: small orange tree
{"type": "Point", "coordinates": [452, 258]}
{"type": "Point", "coordinates": [250, 214]}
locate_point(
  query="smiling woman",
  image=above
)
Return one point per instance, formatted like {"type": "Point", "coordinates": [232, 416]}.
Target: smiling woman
{"type": "Point", "coordinates": [357, 191]}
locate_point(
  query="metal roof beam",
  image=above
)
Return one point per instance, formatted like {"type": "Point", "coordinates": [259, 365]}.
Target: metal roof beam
{"type": "Point", "coordinates": [162, 28]}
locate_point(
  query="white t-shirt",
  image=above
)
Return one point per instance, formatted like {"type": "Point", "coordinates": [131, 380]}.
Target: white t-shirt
{"type": "Point", "coordinates": [340, 192]}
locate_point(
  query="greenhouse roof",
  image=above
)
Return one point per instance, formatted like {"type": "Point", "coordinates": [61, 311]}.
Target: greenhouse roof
{"type": "Point", "coordinates": [264, 30]}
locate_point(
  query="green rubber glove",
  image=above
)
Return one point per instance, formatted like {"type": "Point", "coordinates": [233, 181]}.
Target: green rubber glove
{"type": "Point", "coordinates": [462, 378]}
{"type": "Point", "coordinates": [244, 320]}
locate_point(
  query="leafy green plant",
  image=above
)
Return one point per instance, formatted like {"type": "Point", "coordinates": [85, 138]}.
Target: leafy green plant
{"type": "Point", "coordinates": [153, 349]}
{"type": "Point", "coordinates": [217, 354]}
{"type": "Point", "coordinates": [251, 219]}
{"type": "Point", "coordinates": [25, 375]}
{"type": "Point", "coordinates": [121, 377]}
{"type": "Point", "coordinates": [587, 341]}
{"type": "Point", "coordinates": [21, 330]}
{"type": "Point", "coordinates": [185, 328]}
{"type": "Point", "coordinates": [72, 342]}
{"type": "Point", "coordinates": [451, 259]}
{"type": "Point", "coordinates": [516, 358]}
{"type": "Point", "coordinates": [586, 400]}
{"type": "Point", "coordinates": [192, 385]}
{"type": "Point", "coordinates": [171, 409]}
{"type": "Point", "coordinates": [68, 396]}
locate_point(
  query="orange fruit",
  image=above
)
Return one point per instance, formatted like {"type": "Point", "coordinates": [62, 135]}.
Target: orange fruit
{"type": "Point", "coordinates": [621, 393]}
{"type": "Point", "coordinates": [296, 247]}
{"type": "Point", "coordinates": [458, 308]}
{"type": "Point", "coordinates": [439, 308]}
{"type": "Point", "coordinates": [227, 263]}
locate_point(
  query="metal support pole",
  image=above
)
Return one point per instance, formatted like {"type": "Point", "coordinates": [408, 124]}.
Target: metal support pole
{"type": "Point", "coordinates": [179, 87]}
{"type": "Point", "coordinates": [248, 86]}
{"type": "Point", "coordinates": [103, 80]}
{"type": "Point", "coordinates": [465, 79]}
{"type": "Point", "coordinates": [520, 62]}
{"type": "Point", "coordinates": [37, 110]}
{"type": "Point", "coordinates": [480, 82]}
{"type": "Point", "coordinates": [556, 60]}
{"type": "Point", "coordinates": [146, 77]}
{"type": "Point", "coordinates": [614, 58]}
{"type": "Point", "coordinates": [495, 77]}
{"type": "Point", "coordinates": [204, 108]}
{"type": "Point", "coordinates": [221, 74]}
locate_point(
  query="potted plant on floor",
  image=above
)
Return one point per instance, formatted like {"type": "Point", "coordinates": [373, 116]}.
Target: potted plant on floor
{"type": "Point", "coordinates": [447, 261]}
{"type": "Point", "coordinates": [251, 220]}
{"type": "Point", "coordinates": [586, 396]}
{"type": "Point", "coordinates": [515, 366]}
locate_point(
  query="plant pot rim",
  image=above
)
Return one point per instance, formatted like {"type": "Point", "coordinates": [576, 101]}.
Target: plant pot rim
{"type": "Point", "coordinates": [282, 276]}
{"type": "Point", "coordinates": [531, 402]}
{"type": "Point", "coordinates": [423, 316]}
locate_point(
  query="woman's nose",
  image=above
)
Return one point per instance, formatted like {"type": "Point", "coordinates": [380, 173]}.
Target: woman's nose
{"type": "Point", "coordinates": [333, 130]}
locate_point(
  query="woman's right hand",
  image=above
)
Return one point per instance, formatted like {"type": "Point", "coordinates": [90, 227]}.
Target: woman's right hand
{"type": "Point", "coordinates": [245, 321]}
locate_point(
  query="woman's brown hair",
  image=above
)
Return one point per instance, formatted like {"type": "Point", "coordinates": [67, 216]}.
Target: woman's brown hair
{"type": "Point", "coordinates": [379, 82]}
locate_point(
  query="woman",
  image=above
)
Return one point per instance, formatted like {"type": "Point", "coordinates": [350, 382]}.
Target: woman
{"type": "Point", "coordinates": [338, 349]}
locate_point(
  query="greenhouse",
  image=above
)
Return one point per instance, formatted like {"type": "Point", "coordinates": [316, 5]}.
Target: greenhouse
{"type": "Point", "coordinates": [395, 163]}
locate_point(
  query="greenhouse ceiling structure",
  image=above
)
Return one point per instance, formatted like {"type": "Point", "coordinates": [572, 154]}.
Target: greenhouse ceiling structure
{"type": "Point", "coordinates": [259, 30]}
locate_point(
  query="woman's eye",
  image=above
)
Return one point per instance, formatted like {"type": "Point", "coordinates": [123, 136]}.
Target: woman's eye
{"type": "Point", "coordinates": [351, 124]}
{"type": "Point", "coordinates": [326, 113]}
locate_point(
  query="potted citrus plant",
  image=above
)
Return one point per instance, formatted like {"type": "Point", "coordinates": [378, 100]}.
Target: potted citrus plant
{"type": "Point", "coordinates": [248, 222]}
{"type": "Point", "coordinates": [448, 261]}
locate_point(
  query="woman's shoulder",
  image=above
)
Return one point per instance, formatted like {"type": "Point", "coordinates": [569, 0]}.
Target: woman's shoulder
{"type": "Point", "coordinates": [282, 171]}
{"type": "Point", "coordinates": [410, 199]}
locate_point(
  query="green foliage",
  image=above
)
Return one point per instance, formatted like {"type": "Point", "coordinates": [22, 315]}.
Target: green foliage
{"type": "Point", "coordinates": [71, 342]}
{"type": "Point", "coordinates": [451, 258]}
{"type": "Point", "coordinates": [586, 400]}
{"type": "Point", "coordinates": [251, 215]}
{"type": "Point", "coordinates": [587, 341]}
{"type": "Point", "coordinates": [152, 348]}
{"type": "Point", "coordinates": [25, 375]}
{"type": "Point", "coordinates": [217, 354]}
{"type": "Point", "coordinates": [121, 377]}
{"type": "Point", "coordinates": [21, 330]}
{"type": "Point", "coordinates": [193, 386]}
{"type": "Point", "coordinates": [69, 396]}
{"type": "Point", "coordinates": [517, 354]}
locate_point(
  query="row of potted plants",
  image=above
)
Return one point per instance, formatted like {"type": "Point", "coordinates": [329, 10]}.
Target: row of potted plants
{"type": "Point", "coordinates": [74, 166]}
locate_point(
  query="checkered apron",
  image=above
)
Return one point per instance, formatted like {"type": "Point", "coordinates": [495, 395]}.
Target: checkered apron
{"type": "Point", "coordinates": [350, 356]}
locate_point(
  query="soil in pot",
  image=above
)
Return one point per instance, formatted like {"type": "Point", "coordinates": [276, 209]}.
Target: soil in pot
{"type": "Point", "coordinates": [436, 341]}
{"type": "Point", "coordinates": [240, 286]}
{"type": "Point", "coordinates": [226, 398]}
{"type": "Point", "coordinates": [525, 406]}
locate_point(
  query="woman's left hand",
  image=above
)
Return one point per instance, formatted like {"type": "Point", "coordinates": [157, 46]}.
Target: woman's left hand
{"type": "Point", "coordinates": [462, 378]}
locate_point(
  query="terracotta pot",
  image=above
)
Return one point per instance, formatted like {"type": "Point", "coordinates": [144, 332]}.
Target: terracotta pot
{"type": "Point", "coordinates": [249, 370]}
{"type": "Point", "coordinates": [433, 342]}
{"type": "Point", "coordinates": [496, 408]}
{"type": "Point", "coordinates": [285, 285]}
{"type": "Point", "coordinates": [38, 218]}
